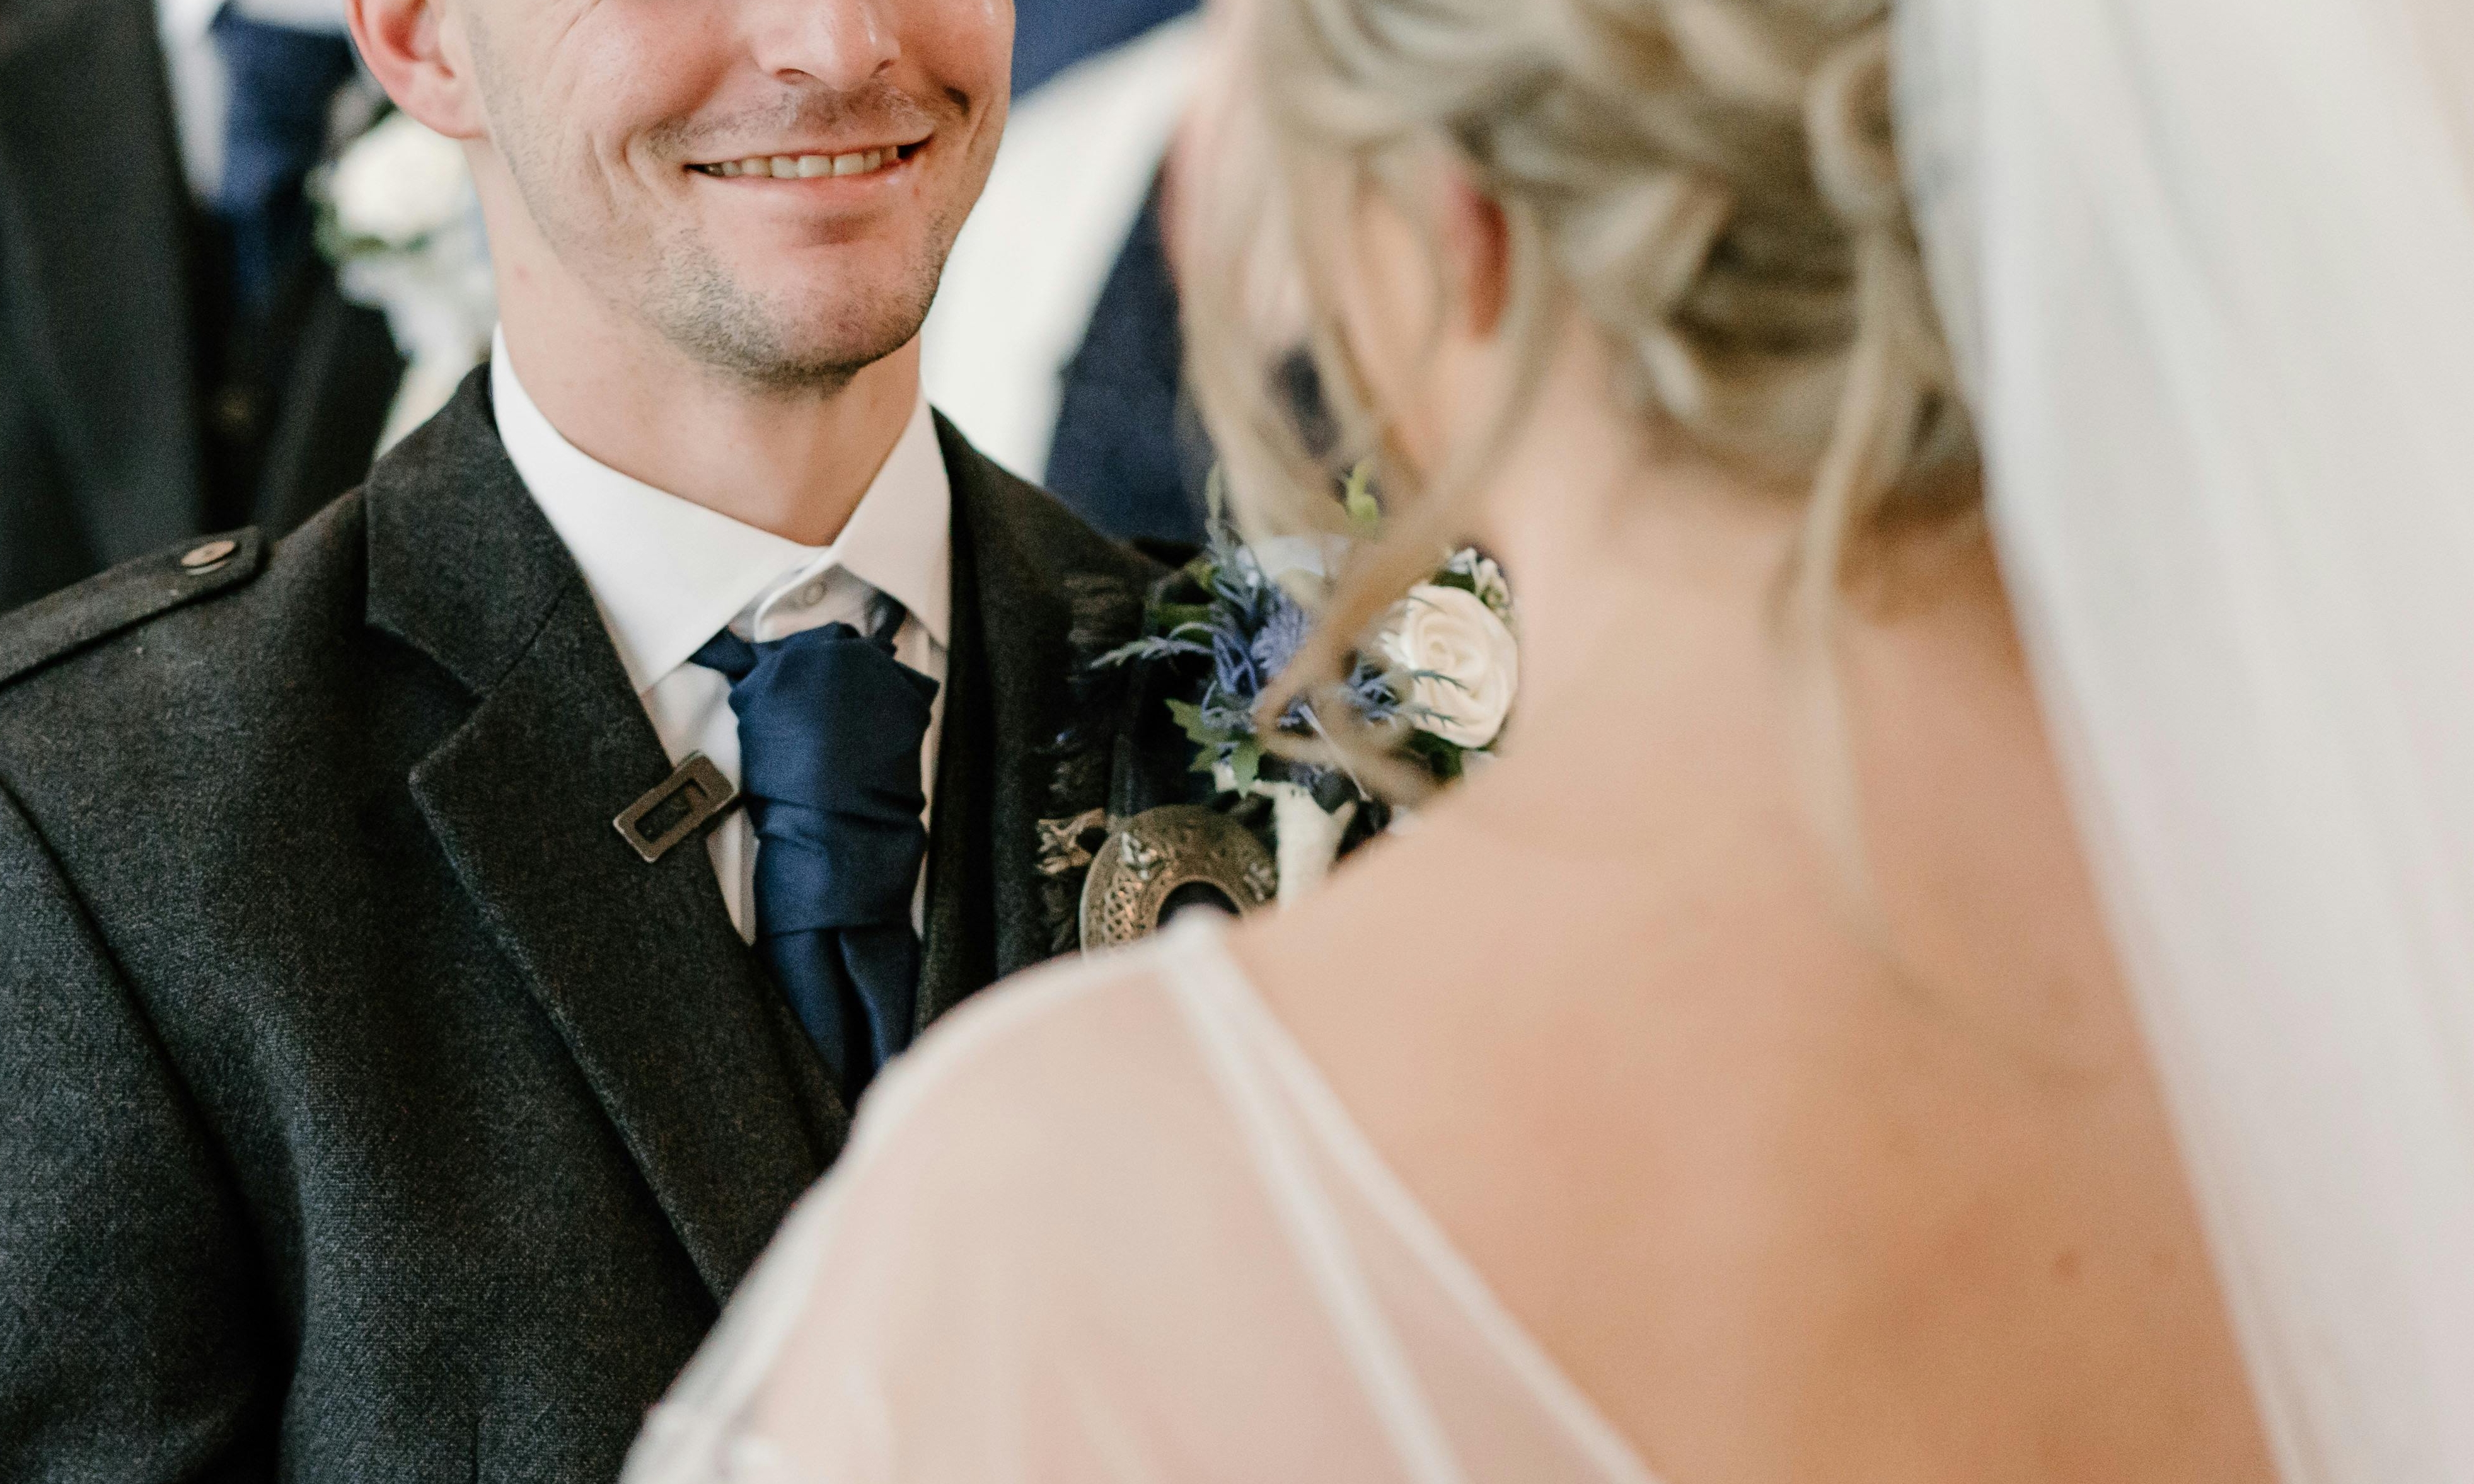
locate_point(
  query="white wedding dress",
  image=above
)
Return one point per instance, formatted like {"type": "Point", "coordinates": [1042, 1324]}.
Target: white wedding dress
{"type": "Point", "coordinates": [1111, 1225]}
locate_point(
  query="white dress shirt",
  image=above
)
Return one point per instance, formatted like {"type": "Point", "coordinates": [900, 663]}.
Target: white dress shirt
{"type": "Point", "coordinates": [195, 70]}
{"type": "Point", "coordinates": [668, 574]}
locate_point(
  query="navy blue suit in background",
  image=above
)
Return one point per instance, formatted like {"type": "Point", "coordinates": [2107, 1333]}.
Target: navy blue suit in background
{"type": "Point", "coordinates": [1131, 455]}
{"type": "Point", "coordinates": [1050, 36]}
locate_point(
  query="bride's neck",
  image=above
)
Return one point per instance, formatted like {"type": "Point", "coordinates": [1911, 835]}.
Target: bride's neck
{"type": "Point", "coordinates": [1668, 710]}
{"type": "Point", "coordinates": [1646, 582]}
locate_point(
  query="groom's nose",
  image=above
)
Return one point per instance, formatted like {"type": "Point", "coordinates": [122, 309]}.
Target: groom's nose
{"type": "Point", "coordinates": [838, 43]}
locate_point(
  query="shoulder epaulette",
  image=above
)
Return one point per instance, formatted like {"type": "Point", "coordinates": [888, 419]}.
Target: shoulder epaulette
{"type": "Point", "coordinates": [54, 627]}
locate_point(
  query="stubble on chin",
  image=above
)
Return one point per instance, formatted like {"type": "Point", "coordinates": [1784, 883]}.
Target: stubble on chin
{"type": "Point", "coordinates": [694, 303]}
{"type": "Point", "coordinates": [793, 341]}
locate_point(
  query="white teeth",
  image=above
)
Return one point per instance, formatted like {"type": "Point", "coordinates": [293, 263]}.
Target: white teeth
{"type": "Point", "coordinates": [807, 167]}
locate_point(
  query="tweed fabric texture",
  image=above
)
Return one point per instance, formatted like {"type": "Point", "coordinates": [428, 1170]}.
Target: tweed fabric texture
{"type": "Point", "coordinates": [370, 1110]}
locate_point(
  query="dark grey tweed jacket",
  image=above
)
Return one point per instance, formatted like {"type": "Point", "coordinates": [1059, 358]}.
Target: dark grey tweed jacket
{"type": "Point", "coordinates": [368, 1110]}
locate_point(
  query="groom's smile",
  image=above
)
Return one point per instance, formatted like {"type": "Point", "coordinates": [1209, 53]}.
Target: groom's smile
{"type": "Point", "coordinates": [770, 185]}
{"type": "Point", "coordinates": [811, 164]}
{"type": "Point", "coordinates": [839, 183]}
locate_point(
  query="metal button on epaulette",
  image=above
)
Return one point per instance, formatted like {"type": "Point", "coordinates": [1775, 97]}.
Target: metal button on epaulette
{"type": "Point", "coordinates": [206, 559]}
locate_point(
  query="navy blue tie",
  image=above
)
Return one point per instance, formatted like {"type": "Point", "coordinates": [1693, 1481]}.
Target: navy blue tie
{"type": "Point", "coordinates": [830, 729]}
{"type": "Point", "coordinates": [283, 80]}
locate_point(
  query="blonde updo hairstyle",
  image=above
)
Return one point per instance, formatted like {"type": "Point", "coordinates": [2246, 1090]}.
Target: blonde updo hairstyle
{"type": "Point", "coordinates": [1710, 183]}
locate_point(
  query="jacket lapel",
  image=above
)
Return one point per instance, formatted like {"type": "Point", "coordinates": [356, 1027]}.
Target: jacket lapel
{"type": "Point", "coordinates": [688, 1049]}
{"type": "Point", "coordinates": [960, 947]}
{"type": "Point", "coordinates": [90, 186]}
{"type": "Point", "coordinates": [1019, 561]}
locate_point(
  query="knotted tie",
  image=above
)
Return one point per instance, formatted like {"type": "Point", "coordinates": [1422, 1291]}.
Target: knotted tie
{"type": "Point", "coordinates": [283, 78]}
{"type": "Point", "coordinates": [830, 729]}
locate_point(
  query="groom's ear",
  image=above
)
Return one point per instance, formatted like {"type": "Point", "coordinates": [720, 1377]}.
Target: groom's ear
{"type": "Point", "coordinates": [418, 52]}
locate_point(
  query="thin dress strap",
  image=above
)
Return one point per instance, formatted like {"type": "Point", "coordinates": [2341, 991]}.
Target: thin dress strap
{"type": "Point", "coordinates": [1210, 992]}
{"type": "Point", "coordinates": [1230, 1022]}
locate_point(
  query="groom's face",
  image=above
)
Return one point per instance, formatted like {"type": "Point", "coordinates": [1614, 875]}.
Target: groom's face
{"type": "Point", "coordinates": [773, 185]}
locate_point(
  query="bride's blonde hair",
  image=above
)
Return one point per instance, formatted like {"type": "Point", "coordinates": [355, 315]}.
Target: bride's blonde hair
{"type": "Point", "coordinates": [1710, 183]}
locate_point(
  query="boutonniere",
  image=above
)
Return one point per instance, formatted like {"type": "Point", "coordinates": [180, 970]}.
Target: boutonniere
{"type": "Point", "coordinates": [399, 219]}
{"type": "Point", "coordinates": [1443, 672]}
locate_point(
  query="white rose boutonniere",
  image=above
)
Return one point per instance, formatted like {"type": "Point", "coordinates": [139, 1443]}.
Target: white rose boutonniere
{"type": "Point", "coordinates": [1462, 663]}
{"type": "Point", "coordinates": [402, 224]}
{"type": "Point", "coordinates": [1441, 674]}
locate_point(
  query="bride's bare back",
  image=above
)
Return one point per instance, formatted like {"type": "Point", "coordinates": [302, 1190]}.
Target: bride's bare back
{"type": "Point", "coordinates": [1797, 1185]}
{"type": "Point", "coordinates": [1749, 1022]}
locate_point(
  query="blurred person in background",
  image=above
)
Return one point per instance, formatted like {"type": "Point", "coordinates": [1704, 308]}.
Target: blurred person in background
{"type": "Point", "coordinates": [175, 355]}
{"type": "Point", "coordinates": [1963, 966]}
{"type": "Point", "coordinates": [1053, 35]}
{"type": "Point", "coordinates": [1055, 341]}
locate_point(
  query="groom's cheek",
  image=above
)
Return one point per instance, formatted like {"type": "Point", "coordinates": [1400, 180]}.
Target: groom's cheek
{"type": "Point", "coordinates": [964, 52]}
{"type": "Point", "coordinates": [986, 28]}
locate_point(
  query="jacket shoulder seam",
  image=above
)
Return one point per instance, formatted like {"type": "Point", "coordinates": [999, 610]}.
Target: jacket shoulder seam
{"type": "Point", "coordinates": [66, 623]}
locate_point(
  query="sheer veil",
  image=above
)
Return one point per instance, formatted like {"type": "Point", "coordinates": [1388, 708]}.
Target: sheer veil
{"type": "Point", "coordinates": [2210, 266]}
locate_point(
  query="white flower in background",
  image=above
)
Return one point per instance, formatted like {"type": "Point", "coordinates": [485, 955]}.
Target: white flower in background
{"type": "Point", "coordinates": [403, 227]}
{"type": "Point", "coordinates": [1462, 663]}
{"type": "Point", "coordinates": [1486, 577]}
{"type": "Point", "coordinates": [398, 184]}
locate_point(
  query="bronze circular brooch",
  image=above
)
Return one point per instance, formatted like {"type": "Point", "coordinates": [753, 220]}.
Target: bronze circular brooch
{"type": "Point", "coordinates": [1163, 860]}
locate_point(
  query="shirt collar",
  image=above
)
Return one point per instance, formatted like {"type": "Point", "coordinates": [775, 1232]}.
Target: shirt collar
{"type": "Point", "coordinates": [668, 574]}
{"type": "Point", "coordinates": [900, 539]}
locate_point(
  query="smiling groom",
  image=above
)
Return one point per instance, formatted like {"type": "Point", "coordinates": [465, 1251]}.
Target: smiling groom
{"type": "Point", "coordinates": [440, 946]}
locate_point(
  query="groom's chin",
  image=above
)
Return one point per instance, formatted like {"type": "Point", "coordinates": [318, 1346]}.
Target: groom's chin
{"type": "Point", "coordinates": [811, 333]}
